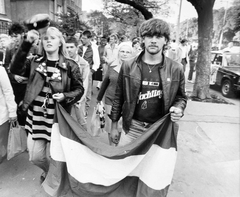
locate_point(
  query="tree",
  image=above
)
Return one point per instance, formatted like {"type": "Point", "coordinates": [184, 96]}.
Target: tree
{"type": "Point", "coordinates": [145, 7]}
{"type": "Point", "coordinates": [69, 23]}
{"type": "Point", "coordinates": [99, 22]}
{"type": "Point", "coordinates": [204, 9]}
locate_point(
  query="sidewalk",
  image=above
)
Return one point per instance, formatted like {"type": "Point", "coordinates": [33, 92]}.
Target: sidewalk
{"type": "Point", "coordinates": [207, 165]}
{"type": "Point", "coordinates": [208, 151]}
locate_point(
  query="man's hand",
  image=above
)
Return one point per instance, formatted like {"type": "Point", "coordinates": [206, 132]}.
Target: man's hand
{"type": "Point", "coordinates": [176, 113]}
{"type": "Point", "coordinates": [114, 134]}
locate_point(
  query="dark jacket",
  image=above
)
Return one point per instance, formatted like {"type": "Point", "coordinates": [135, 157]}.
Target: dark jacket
{"type": "Point", "coordinates": [70, 84]}
{"type": "Point", "coordinates": [129, 84]}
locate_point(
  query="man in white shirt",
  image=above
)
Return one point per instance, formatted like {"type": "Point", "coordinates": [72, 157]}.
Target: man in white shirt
{"type": "Point", "coordinates": [90, 53]}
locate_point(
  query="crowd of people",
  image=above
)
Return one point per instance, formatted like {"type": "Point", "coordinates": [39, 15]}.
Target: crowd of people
{"type": "Point", "coordinates": [44, 67]}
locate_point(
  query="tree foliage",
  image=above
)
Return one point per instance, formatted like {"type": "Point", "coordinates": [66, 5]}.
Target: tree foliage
{"type": "Point", "coordinates": [100, 23]}
{"type": "Point", "coordinates": [70, 23]}
{"type": "Point", "coordinates": [136, 8]}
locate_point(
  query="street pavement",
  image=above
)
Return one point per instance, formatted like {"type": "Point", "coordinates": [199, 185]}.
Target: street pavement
{"type": "Point", "coordinates": [208, 156]}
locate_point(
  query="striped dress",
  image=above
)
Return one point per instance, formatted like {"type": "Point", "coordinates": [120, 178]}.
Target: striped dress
{"type": "Point", "coordinates": [37, 124]}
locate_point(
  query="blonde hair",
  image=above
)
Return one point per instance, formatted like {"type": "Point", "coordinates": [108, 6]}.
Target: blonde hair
{"type": "Point", "coordinates": [62, 49]}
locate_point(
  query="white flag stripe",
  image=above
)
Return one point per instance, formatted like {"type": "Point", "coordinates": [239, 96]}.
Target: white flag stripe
{"type": "Point", "coordinates": [155, 168]}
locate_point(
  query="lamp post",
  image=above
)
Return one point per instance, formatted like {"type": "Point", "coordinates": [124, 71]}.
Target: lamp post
{"type": "Point", "coordinates": [178, 22]}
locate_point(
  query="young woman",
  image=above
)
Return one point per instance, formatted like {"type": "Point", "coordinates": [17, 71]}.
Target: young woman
{"type": "Point", "coordinates": [110, 80]}
{"type": "Point", "coordinates": [52, 78]}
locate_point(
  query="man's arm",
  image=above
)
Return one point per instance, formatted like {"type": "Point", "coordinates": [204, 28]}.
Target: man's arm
{"type": "Point", "coordinates": [180, 102]}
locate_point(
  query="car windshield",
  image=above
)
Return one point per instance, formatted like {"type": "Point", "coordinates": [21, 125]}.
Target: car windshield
{"type": "Point", "coordinates": [232, 59]}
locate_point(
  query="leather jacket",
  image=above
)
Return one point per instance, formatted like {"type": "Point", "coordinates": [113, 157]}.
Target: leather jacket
{"type": "Point", "coordinates": [70, 84]}
{"type": "Point", "coordinates": [129, 84]}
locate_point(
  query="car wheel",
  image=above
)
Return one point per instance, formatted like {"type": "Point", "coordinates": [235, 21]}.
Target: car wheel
{"type": "Point", "coordinates": [226, 88]}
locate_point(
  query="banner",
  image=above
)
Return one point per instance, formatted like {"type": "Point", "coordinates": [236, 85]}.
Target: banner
{"type": "Point", "coordinates": [82, 166]}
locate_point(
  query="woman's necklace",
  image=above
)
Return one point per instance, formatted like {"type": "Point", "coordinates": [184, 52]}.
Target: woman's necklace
{"type": "Point", "coordinates": [151, 69]}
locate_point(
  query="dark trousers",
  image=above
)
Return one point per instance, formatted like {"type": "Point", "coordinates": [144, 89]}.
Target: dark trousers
{"type": "Point", "coordinates": [192, 66]}
{"type": "Point", "coordinates": [184, 63]}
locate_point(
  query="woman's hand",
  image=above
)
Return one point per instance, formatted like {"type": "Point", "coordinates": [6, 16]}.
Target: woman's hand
{"type": "Point", "coordinates": [32, 36]}
{"type": "Point", "coordinates": [19, 79]}
{"type": "Point", "coordinates": [13, 121]}
{"type": "Point", "coordinates": [58, 97]}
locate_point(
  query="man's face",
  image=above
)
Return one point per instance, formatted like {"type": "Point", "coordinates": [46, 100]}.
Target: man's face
{"type": "Point", "coordinates": [85, 40]}
{"type": "Point", "coordinates": [154, 44]}
{"type": "Point", "coordinates": [103, 42]}
{"type": "Point", "coordinates": [112, 40]}
{"type": "Point", "coordinates": [71, 49]}
{"type": "Point", "coordinates": [16, 38]}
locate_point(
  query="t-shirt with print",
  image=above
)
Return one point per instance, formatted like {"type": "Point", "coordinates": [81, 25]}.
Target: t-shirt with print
{"type": "Point", "coordinates": [149, 106]}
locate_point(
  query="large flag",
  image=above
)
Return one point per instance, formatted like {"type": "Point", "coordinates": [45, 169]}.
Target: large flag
{"type": "Point", "coordinates": [82, 166]}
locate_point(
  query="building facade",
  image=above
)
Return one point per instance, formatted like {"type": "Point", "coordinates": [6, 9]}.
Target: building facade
{"type": "Point", "coordinates": [20, 10]}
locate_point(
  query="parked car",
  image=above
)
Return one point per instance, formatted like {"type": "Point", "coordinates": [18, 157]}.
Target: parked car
{"type": "Point", "coordinates": [225, 72]}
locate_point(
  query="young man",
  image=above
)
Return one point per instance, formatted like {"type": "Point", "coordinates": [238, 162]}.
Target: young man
{"type": "Point", "coordinates": [111, 49]}
{"type": "Point", "coordinates": [72, 49]}
{"type": "Point", "coordinates": [149, 85]}
{"type": "Point", "coordinates": [91, 55]}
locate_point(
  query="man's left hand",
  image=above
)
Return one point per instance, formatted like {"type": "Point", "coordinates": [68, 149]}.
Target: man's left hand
{"type": "Point", "coordinates": [176, 113]}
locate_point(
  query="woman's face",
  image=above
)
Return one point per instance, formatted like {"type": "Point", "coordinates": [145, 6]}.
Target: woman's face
{"type": "Point", "coordinates": [51, 42]}
{"type": "Point", "coordinates": [125, 52]}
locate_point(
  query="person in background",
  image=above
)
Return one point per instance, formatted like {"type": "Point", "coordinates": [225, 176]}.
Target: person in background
{"type": "Point", "coordinates": [8, 113]}
{"type": "Point", "coordinates": [149, 86]}
{"type": "Point", "coordinates": [19, 83]}
{"type": "Point", "coordinates": [136, 47]}
{"type": "Point", "coordinates": [109, 83]}
{"type": "Point", "coordinates": [174, 52]}
{"type": "Point", "coordinates": [72, 49]}
{"type": "Point", "coordinates": [4, 43]}
{"type": "Point", "coordinates": [103, 65]}
{"type": "Point", "coordinates": [111, 49]}
{"type": "Point", "coordinates": [52, 78]}
{"type": "Point", "coordinates": [184, 52]}
{"type": "Point", "coordinates": [192, 61]}
{"type": "Point", "coordinates": [91, 55]}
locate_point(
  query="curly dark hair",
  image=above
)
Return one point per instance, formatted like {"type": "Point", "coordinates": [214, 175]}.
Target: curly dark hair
{"type": "Point", "coordinates": [155, 27]}
{"type": "Point", "coordinates": [16, 28]}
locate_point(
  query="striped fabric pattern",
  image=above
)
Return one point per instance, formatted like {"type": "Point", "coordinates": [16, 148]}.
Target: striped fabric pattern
{"type": "Point", "coordinates": [39, 126]}
{"type": "Point", "coordinates": [85, 167]}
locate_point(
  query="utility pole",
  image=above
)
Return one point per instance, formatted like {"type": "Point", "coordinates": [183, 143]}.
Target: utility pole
{"type": "Point", "coordinates": [178, 22]}
{"type": "Point", "coordinates": [221, 35]}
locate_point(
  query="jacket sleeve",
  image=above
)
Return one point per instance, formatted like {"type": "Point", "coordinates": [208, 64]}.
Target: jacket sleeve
{"type": "Point", "coordinates": [180, 100]}
{"type": "Point", "coordinates": [8, 93]}
{"type": "Point", "coordinates": [20, 65]}
{"type": "Point", "coordinates": [76, 87]}
{"type": "Point", "coordinates": [104, 86]}
{"type": "Point", "coordinates": [118, 100]}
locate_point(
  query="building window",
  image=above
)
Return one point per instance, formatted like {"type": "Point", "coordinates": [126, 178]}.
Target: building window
{"type": "Point", "coordinates": [2, 7]}
{"type": "Point", "coordinates": [4, 25]}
